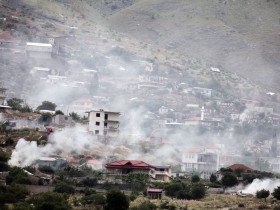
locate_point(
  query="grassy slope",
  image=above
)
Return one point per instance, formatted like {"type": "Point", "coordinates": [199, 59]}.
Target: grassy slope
{"type": "Point", "coordinates": [242, 36]}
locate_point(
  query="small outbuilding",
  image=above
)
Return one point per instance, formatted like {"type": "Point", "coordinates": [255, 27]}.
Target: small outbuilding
{"type": "Point", "coordinates": [154, 193]}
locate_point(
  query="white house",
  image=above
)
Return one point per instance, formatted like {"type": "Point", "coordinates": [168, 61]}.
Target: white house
{"type": "Point", "coordinates": [3, 96]}
{"type": "Point", "coordinates": [163, 110]}
{"type": "Point", "coordinates": [200, 160]}
{"type": "Point", "coordinates": [38, 50]}
{"type": "Point", "coordinates": [104, 123]}
{"type": "Point", "coordinates": [206, 92]}
{"type": "Point", "coordinates": [60, 120]}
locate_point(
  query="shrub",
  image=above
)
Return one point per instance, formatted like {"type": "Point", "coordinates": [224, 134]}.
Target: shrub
{"type": "Point", "coordinates": [116, 200]}
{"type": "Point", "coordinates": [164, 205]}
{"type": "Point", "coordinates": [49, 200]}
{"type": "Point", "coordinates": [88, 191]}
{"type": "Point", "coordinates": [172, 189]}
{"type": "Point", "coordinates": [229, 180]}
{"type": "Point", "coordinates": [195, 178]}
{"type": "Point", "coordinates": [95, 199]}
{"type": "Point", "coordinates": [263, 206]}
{"type": "Point", "coordinates": [184, 194]}
{"type": "Point", "coordinates": [12, 194]}
{"type": "Point", "coordinates": [89, 182]}
{"type": "Point", "coordinates": [17, 175]}
{"type": "Point", "coordinates": [146, 205]}
{"type": "Point", "coordinates": [198, 191]}
{"type": "Point", "coordinates": [133, 196]}
{"type": "Point", "coordinates": [241, 205]}
{"type": "Point", "coordinates": [213, 178]}
{"type": "Point", "coordinates": [62, 187]}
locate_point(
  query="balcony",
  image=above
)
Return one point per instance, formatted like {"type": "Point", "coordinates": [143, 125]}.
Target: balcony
{"type": "Point", "coordinates": [161, 173]}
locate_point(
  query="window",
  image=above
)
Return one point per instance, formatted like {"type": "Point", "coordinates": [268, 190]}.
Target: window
{"type": "Point", "coordinates": [97, 114]}
{"type": "Point", "coordinates": [105, 125]}
{"type": "Point", "coordinates": [97, 123]}
{"type": "Point", "coordinates": [104, 133]}
{"type": "Point", "coordinates": [106, 116]}
{"type": "Point", "coordinates": [96, 132]}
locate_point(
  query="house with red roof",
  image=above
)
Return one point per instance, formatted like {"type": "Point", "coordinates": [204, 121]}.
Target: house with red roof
{"type": "Point", "coordinates": [128, 166]}
{"type": "Point", "coordinates": [94, 164]}
{"type": "Point", "coordinates": [240, 167]}
{"type": "Point", "coordinates": [124, 167]}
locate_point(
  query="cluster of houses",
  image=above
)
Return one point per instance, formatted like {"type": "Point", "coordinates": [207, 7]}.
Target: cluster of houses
{"type": "Point", "coordinates": [173, 100]}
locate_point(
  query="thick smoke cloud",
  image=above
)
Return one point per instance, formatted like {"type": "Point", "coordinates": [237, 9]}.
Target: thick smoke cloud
{"type": "Point", "coordinates": [258, 184]}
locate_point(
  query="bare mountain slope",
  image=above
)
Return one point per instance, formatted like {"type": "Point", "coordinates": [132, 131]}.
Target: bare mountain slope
{"type": "Point", "coordinates": [240, 36]}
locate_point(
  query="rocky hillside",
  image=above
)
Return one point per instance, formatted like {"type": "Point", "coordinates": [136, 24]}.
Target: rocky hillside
{"type": "Point", "coordinates": [239, 36]}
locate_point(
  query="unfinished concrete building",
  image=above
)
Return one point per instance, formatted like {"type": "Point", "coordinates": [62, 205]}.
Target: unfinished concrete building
{"type": "Point", "coordinates": [104, 123]}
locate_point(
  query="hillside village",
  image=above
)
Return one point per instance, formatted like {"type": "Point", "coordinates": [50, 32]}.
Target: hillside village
{"type": "Point", "coordinates": [131, 107]}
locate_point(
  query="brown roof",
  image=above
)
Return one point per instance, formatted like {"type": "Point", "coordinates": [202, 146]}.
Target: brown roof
{"type": "Point", "coordinates": [132, 164]}
{"type": "Point", "coordinates": [240, 166]}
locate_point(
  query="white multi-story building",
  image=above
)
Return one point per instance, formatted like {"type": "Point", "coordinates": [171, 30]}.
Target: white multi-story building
{"type": "Point", "coordinates": [201, 161]}
{"type": "Point", "coordinates": [104, 123]}
{"type": "Point", "coordinates": [3, 96]}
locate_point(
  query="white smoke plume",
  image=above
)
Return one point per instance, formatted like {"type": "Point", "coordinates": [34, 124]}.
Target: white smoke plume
{"type": "Point", "coordinates": [259, 184]}
{"type": "Point", "coordinates": [64, 143]}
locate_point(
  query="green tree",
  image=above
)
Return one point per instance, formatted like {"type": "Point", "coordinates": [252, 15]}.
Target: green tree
{"type": "Point", "coordinates": [59, 112]}
{"type": "Point", "coordinates": [262, 194]}
{"type": "Point", "coordinates": [62, 187]}
{"type": "Point", "coordinates": [172, 189]}
{"type": "Point", "coordinates": [49, 201]}
{"type": "Point", "coordinates": [116, 200]}
{"type": "Point", "coordinates": [12, 193]}
{"type": "Point", "coordinates": [229, 180]}
{"type": "Point", "coordinates": [195, 178]}
{"type": "Point", "coordinates": [276, 193]}
{"type": "Point", "coordinates": [213, 178]}
{"type": "Point", "coordinates": [3, 156]}
{"type": "Point", "coordinates": [47, 105]}
{"type": "Point", "coordinates": [74, 116]}
{"type": "Point", "coordinates": [89, 182]}
{"type": "Point", "coordinates": [15, 103]}
{"type": "Point", "coordinates": [184, 194]}
{"type": "Point", "coordinates": [137, 180]}
{"type": "Point", "coordinates": [198, 191]}
{"type": "Point", "coordinates": [17, 175]}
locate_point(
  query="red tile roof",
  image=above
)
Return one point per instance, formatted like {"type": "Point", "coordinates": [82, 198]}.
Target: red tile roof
{"type": "Point", "coordinates": [240, 166]}
{"type": "Point", "coordinates": [131, 164]}
{"type": "Point", "coordinates": [94, 162]}
{"type": "Point", "coordinates": [154, 190]}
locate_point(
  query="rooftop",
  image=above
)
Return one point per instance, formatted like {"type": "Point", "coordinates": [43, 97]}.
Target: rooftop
{"type": "Point", "coordinates": [240, 166]}
{"type": "Point", "coordinates": [129, 164]}
{"type": "Point", "coordinates": [38, 44]}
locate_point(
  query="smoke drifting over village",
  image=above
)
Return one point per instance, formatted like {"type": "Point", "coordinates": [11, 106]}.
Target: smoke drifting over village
{"type": "Point", "coordinates": [97, 86]}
